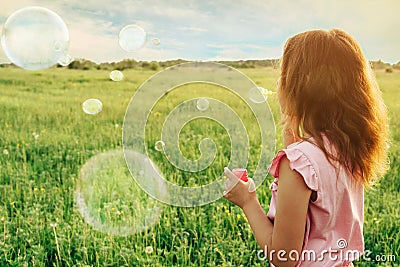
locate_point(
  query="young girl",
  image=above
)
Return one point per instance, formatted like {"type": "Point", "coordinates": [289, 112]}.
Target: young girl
{"type": "Point", "coordinates": [335, 137]}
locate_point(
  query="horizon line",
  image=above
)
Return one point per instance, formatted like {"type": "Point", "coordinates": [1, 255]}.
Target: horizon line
{"type": "Point", "coordinates": [191, 60]}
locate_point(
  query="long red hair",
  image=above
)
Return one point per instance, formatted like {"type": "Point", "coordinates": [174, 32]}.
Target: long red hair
{"type": "Point", "coordinates": [328, 88]}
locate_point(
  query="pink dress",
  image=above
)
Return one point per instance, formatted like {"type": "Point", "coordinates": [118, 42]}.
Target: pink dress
{"type": "Point", "coordinates": [334, 223]}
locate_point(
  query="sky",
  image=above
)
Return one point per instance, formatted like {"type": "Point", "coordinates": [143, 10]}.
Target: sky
{"type": "Point", "coordinates": [217, 29]}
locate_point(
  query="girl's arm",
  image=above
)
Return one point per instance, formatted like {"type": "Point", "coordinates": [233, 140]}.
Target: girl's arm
{"type": "Point", "coordinates": [283, 240]}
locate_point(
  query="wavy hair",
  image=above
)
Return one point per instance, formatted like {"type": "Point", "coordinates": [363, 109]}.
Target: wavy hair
{"type": "Point", "coordinates": [328, 89]}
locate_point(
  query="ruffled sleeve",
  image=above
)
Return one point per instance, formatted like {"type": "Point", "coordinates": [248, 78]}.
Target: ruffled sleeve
{"type": "Point", "coordinates": [298, 162]}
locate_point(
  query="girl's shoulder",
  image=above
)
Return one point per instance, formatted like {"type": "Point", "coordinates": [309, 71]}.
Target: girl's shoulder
{"type": "Point", "coordinates": [308, 144]}
{"type": "Point", "coordinates": [307, 148]}
{"type": "Point", "coordinates": [311, 150]}
{"type": "Point", "coordinates": [306, 158]}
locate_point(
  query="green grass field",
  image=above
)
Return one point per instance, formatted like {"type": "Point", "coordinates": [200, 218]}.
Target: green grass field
{"type": "Point", "coordinates": [46, 138]}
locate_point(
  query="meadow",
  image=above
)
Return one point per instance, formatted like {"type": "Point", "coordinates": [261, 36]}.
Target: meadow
{"type": "Point", "coordinates": [46, 138]}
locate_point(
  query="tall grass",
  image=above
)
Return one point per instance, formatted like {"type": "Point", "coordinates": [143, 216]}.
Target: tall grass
{"type": "Point", "coordinates": [46, 138]}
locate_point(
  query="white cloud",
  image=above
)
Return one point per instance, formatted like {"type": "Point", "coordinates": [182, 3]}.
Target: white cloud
{"type": "Point", "coordinates": [243, 52]}
{"type": "Point", "coordinates": [90, 43]}
{"type": "Point", "coordinates": [8, 7]}
{"type": "Point", "coordinates": [192, 30]}
{"type": "Point", "coordinates": [206, 29]}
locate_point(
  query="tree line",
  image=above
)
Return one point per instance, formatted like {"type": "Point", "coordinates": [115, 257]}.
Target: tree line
{"type": "Point", "coordinates": [84, 64]}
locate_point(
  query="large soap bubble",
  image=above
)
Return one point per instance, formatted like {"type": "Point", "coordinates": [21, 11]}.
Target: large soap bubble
{"type": "Point", "coordinates": [35, 38]}
{"type": "Point", "coordinates": [110, 200]}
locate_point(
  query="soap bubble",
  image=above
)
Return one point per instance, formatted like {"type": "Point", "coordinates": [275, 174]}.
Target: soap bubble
{"type": "Point", "coordinates": [35, 38]}
{"type": "Point", "coordinates": [258, 94]}
{"type": "Point", "coordinates": [57, 46]}
{"type": "Point", "coordinates": [156, 41]}
{"type": "Point", "coordinates": [110, 200]}
{"type": "Point", "coordinates": [132, 38]}
{"type": "Point", "coordinates": [159, 146]}
{"type": "Point", "coordinates": [65, 60]}
{"type": "Point", "coordinates": [202, 104]}
{"type": "Point", "coordinates": [92, 106]}
{"type": "Point", "coordinates": [116, 75]}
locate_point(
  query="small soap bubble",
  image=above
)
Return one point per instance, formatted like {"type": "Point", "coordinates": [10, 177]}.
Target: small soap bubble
{"type": "Point", "coordinates": [132, 38]}
{"type": "Point", "coordinates": [256, 94]}
{"type": "Point", "coordinates": [116, 75]}
{"type": "Point", "coordinates": [202, 104]}
{"type": "Point", "coordinates": [35, 38]}
{"type": "Point", "coordinates": [159, 146]}
{"type": "Point", "coordinates": [92, 106]}
{"type": "Point", "coordinates": [57, 46]}
{"type": "Point", "coordinates": [65, 60]}
{"type": "Point", "coordinates": [156, 41]}
{"type": "Point", "coordinates": [267, 93]}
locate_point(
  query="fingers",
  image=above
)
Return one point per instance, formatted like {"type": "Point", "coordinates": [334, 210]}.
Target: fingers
{"type": "Point", "coordinates": [232, 180]}
{"type": "Point", "coordinates": [252, 185]}
{"type": "Point", "coordinates": [230, 175]}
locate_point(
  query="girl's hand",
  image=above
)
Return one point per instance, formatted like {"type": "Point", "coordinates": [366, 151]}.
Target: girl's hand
{"type": "Point", "coordinates": [237, 191]}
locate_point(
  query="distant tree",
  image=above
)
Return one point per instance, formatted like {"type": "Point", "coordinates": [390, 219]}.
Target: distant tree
{"type": "Point", "coordinates": [273, 63]}
{"type": "Point", "coordinates": [389, 70]}
{"type": "Point", "coordinates": [169, 63]}
{"type": "Point", "coordinates": [379, 65]}
{"type": "Point", "coordinates": [8, 65]}
{"type": "Point", "coordinates": [154, 65]}
{"type": "Point", "coordinates": [144, 64]}
{"type": "Point", "coordinates": [126, 64]}
{"type": "Point", "coordinates": [82, 64]}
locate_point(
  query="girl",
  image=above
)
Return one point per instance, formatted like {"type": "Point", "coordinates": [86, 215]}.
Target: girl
{"type": "Point", "coordinates": [335, 136]}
